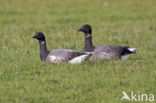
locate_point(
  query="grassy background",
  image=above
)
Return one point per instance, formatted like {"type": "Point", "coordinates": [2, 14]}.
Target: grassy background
{"type": "Point", "coordinates": [25, 79]}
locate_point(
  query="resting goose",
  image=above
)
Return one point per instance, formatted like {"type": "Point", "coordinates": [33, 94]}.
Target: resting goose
{"type": "Point", "coordinates": [60, 55]}
{"type": "Point", "coordinates": [103, 52]}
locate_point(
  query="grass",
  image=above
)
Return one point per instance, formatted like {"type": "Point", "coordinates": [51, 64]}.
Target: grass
{"type": "Point", "coordinates": [25, 79]}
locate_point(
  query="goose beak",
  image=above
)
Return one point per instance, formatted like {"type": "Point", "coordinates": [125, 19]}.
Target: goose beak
{"type": "Point", "coordinates": [34, 36]}
{"type": "Point", "coordinates": [80, 30]}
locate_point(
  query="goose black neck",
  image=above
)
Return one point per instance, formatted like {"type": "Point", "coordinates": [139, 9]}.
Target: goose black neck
{"type": "Point", "coordinates": [43, 50]}
{"type": "Point", "coordinates": [88, 43]}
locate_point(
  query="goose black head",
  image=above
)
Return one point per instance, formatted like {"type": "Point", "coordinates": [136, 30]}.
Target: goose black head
{"type": "Point", "coordinates": [39, 36]}
{"type": "Point", "coordinates": [86, 29]}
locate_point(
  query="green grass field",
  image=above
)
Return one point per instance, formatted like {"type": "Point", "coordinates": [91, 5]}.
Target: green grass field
{"type": "Point", "coordinates": [25, 79]}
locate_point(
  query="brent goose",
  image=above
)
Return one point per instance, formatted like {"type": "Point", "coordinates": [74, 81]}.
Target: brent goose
{"type": "Point", "coordinates": [103, 52]}
{"type": "Point", "coordinates": [60, 55]}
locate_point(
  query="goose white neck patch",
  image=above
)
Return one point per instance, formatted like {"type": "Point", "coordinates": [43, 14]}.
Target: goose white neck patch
{"type": "Point", "coordinates": [43, 42]}
{"type": "Point", "coordinates": [89, 35]}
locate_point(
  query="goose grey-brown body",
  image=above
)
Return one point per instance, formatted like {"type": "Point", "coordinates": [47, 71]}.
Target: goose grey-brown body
{"type": "Point", "coordinates": [60, 55]}
{"type": "Point", "coordinates": [104, 52]}
{"type": "Point", "coordinates": [63, 55]}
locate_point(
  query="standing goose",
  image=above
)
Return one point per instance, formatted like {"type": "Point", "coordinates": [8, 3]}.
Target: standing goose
{"type": "Point", "coordinates": [60, 55]}
{"type": "Point", "coordinates": [103, 52]}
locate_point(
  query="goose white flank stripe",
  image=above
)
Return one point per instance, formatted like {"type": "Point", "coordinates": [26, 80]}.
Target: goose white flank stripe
{"type": "Point", "coordinates": [78, 59]}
